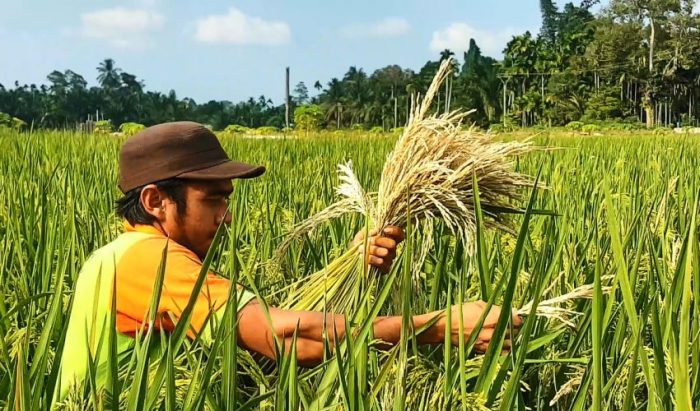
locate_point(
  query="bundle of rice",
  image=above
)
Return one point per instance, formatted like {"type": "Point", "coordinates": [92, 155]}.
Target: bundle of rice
{"type": "Point", "coordinates": [428, 176]}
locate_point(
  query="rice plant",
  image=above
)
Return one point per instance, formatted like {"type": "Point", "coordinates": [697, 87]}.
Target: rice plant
{"type": "Point", "coordinates": [621, 239]}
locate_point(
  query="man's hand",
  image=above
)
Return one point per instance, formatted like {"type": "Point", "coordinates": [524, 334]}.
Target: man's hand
{"type": "Point", "coordinates": [471, 312]}
{"type": "Point", "coordinates": [381, 249]}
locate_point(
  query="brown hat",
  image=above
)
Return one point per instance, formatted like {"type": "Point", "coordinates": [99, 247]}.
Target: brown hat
{"type": "Point", "coordinates": [182, 149]}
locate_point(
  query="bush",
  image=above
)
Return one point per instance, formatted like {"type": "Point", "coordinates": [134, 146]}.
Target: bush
{"type": "Point", "coordinates": [688, 120]}
{"type": "Point", "coordinates": [8, 121]}
{"type": "Point", "coordinates": [590, 129]}
{"type": "Point", "coordinates": [376, 130]}
{"type": "Point", "coordinates": [266, 130]}
{"type": "Point", "coordinates": [308, 117]}
{"type": "Point", "coordinates": [574, 126]}
{"type": "Point", "coordinates": [129, 129]}
{"type": "Point", "coordinates": [397, 130]}
{"type": "Point", "coordinates": [103, 127]}
{"type": "Point", "coordinates": [236, 129]}
{"type": "Point", "coordinates": [358, 127]}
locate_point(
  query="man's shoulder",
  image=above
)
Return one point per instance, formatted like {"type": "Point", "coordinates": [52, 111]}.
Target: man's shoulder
{"type": "Point", "coordinates": [146, 249]}
{"type": "Point", "coordinates": [137, 252]}
{"type": "Point", "coordinates": [120, 245]}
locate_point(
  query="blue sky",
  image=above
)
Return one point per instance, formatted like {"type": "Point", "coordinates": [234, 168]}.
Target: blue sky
{"type": "Point", "coordinates": [217, 49]}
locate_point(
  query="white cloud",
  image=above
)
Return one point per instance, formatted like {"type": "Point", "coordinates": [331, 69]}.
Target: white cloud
{"type": "Point", "coordinates": [456, 37]}
{"type": "Point", "coordinates": [238, 28]}
{"type": "Point", "coordinates": [121, 27]}
{"type": "Point", "coordinates": [388, 27]}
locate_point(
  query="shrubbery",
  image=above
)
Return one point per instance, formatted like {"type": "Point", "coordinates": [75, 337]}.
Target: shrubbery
{"type": "Point", "coordinates": [308, 117]}
{"type": "Point", "coordinates": [266, 131]}
{"type": "Point", "coordinates": [236, 129]}
{"type": "Point", "coordinates": [103, 127]}
{"type": "Point", "coordinates": [590, 129]}
{"type": "Point", "coordinates": [129, 129]}
{"type": "Point", "coordinates": [8, 121]}
{"type": "Point", "coordinates": [574, 125]}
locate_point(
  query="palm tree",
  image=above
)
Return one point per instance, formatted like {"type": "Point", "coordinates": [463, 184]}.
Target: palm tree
{"type": "Point", "coordinates": [108, 76]}
{"type": "Point", "coordinates": [445, 54]}
{"type": "Point", "coordinates": [333, 99]}
{"type": "Point", "coordinates": [356, 86]}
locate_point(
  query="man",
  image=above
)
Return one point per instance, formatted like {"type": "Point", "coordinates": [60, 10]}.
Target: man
{"type": "Point", "coordinates": [176, 180]}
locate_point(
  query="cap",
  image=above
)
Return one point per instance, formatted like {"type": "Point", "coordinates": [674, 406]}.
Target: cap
{"type": "Point", "coordinates": [182, 149]}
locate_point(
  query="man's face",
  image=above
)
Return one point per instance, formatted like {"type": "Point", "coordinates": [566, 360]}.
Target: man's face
{"type": "Point", "coordinates": [207, 204]}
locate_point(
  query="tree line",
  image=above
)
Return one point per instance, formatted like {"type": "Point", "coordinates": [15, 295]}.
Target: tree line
{"type": "Point", "coordinates": [634, 60]}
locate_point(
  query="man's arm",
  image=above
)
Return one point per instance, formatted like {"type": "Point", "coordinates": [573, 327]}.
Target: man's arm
{"type": "Point", "coordinates": [256, 334]}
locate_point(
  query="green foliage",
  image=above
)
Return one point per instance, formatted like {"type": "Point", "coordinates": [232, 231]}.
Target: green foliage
{"type": "Point", "coordinates": [266, 131]}
{"type": "Point", "coordinates": [580, 67]}
{"type": "Point", "coordinates": [632, 346]}
{"type": "Point", "coordinates": [660, 131]}
{"type": "Point", "coordinates": [18, 124]}
{"type": "Point", "coordinates": [308, 117]}
{"type": "Point", "coordinates": [8, 121]}
{"type": "Point", "coordinates": [603, 105]}
{"type": "Point", "coordinates": [376, 130]}
{"type": "Point", "coordinates": [103, 127]}
{"type": "Point", "coordinates": [590, 129]}
{"type": "Point", "coordinates": [129, 129]}
{"type": "Point", "coordinates": [236, 129]}
{"type": "Point", "coordinates": [497, 128]}
{"type": "Point", "coordinates": [575, 126]}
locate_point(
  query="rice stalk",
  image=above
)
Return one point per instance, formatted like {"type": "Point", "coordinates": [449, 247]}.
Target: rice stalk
{"type": "Point", "coordinates": [427, 177]}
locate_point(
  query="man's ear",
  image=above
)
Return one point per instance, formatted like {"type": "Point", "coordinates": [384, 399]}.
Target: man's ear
{"type": "Point", "coordinates": [153, 201]}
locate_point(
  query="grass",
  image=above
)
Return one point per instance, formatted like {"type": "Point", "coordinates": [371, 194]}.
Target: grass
{"type": "Point", "coordinates": [626, 232]}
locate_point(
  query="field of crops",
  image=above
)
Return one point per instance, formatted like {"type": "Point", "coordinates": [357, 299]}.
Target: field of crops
{"type": "Point", "coordinates": [625, 222]}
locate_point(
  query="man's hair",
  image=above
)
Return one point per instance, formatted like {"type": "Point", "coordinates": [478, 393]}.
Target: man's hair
{"type": "Point", "coordinates": [130, 208]}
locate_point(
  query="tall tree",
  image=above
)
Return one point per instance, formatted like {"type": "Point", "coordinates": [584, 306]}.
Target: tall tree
{"type": "Point", "coordinates": [652, 16]}
{"type": "Point", "coordinates": [301, 93]}
{"type": "Point", "coordinates": [549, 11]}
{"type": "Point", "coordinates": [108, 74]}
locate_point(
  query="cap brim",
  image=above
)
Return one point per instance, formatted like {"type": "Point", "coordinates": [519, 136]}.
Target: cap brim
{"type": "Point", "coordinates": [225, 170]}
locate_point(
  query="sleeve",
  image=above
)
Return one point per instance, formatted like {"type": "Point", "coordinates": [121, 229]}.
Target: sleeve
{"type": "Point", "coordinates": [209, 330]}
{"type": "Point", "coordinates": [136, 277]}
{"type": "Point", "coordinates": [181, 278]}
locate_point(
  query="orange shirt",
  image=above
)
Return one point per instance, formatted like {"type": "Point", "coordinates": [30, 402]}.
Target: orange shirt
{"type": "Point", "coordinates": [131, 262]}
{"type": "Point", "coordinates": [136, 272]}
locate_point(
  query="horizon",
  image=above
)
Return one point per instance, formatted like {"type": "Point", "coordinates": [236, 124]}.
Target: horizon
{"type": "Point", "coordinates": [198, 52]}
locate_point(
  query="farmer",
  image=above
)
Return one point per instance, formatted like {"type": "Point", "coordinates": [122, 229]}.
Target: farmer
{"type": "Point", "coordinates": [176, 180]}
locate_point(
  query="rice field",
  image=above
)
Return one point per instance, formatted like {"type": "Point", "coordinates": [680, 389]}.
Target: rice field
{"type": "Point", "coordinates": [621, 234]}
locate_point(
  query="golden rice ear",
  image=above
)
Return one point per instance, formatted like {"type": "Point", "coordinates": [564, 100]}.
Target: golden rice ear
{"type": "Point", "coordinates": [331, 212]}
{"type": "Point", "coordinates": [351, 189]}
{"type": "Point", "coordinates": [428, 176]}
{"type": "Point", "coordinates": [553, 307]}
{"type": "Point", "coordinates": [354, 199]}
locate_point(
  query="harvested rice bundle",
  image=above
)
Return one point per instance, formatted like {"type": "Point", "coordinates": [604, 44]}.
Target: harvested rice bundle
{"type": "Point", "coordinates": [428, 176]}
